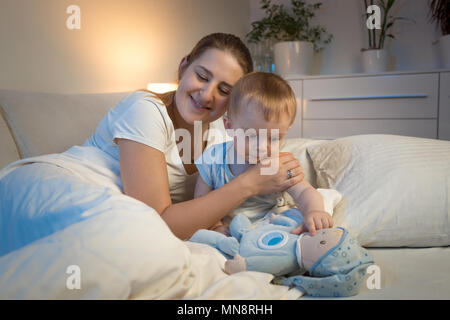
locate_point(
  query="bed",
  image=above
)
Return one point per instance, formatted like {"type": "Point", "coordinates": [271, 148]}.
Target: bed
{"type": "Point", "coordinates": [395, 189]}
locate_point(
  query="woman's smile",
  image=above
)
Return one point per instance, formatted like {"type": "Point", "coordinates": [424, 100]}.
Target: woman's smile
{"type": "Point", "coordinates": [198, 106]}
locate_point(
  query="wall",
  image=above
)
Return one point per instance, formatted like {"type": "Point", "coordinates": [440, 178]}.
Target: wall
{"type": "Point", "coordinates": [122, 44]}
{"type": "Point", "coordinates": [412, 49]}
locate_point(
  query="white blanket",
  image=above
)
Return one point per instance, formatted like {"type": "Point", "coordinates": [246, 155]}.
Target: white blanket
{"type": "Point", "coordinates": [123, 250]}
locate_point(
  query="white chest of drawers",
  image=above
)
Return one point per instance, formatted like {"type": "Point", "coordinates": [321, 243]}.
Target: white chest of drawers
{"type": "Point", "coordinates": [404, 103]}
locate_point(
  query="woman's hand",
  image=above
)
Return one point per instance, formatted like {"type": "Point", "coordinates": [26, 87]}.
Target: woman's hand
{"type": "Point", "coordinates": [223, 230]}
{"type": "Point", "coordinates": [271, 175]}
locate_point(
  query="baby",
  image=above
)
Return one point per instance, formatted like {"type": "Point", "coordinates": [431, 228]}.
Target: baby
{"type": "Point", "coordinates": [261, 110]}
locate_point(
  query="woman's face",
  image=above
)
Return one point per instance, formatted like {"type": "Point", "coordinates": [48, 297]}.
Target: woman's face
{"type": "Point", "coordinates": [205, 86]}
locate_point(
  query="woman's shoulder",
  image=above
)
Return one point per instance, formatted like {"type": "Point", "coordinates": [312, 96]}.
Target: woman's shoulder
{"type": "Point", "coordinates": [141, 117]}
{"type": "Point", "coordinates": [142, 105]}
{"type": "Point", "coordinates": [150, 96]}
{"type": "Point", "coordinates": [143, 96]}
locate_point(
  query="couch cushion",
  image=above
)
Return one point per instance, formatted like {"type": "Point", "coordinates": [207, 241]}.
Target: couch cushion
{"type": "Point", "coordinates": [8, 148]}
{"type": "Point", "coordinates": [44, 123]}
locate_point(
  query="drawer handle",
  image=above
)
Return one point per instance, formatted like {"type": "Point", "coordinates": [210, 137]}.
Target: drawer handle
{"type": "Point", "coordinates": [321, 138]}
{"type": "Point", "coordinates": [397, 96]}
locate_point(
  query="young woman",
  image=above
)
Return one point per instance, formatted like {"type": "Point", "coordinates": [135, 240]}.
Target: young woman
{"type": "Point", "coordinates": [134, 149]}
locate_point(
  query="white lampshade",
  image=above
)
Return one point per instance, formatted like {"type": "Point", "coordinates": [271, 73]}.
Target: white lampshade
{"type": "Point", "coordinates": [162, 87]}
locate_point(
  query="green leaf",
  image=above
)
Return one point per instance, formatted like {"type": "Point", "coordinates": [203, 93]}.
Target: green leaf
{"type": "Point", "coordinates": [288, 23]}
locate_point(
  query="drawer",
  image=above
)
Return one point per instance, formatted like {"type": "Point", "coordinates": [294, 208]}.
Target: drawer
{"type": "Point", "coordinates": [444, 107]}
{"type": "Point", "coordinates": [332, 129]}
{"type": "Point", "coordinates": [372, 97]}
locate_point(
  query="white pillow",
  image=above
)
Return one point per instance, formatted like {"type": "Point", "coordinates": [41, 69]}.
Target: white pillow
{"type": "Point", "coordinates": [330, 199]}
{"type": "Point", "coordinates": [396, 190]}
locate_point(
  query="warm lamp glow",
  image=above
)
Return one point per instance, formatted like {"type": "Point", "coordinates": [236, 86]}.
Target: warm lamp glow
{"type": "Point", "coordinates": [162, 87]}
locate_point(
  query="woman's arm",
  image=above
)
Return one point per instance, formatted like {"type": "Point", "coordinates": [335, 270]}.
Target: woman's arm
{"type": "Point", "coordinates": [201, 189]}
{"type": "Point", "coordinates": [204, 212]}
{"type": "Point", "coordinates": [150, 184]}
{"type": "Point", "coordinates": [144, 174]}
{"type": "Point", "coordinates": [144, 177]}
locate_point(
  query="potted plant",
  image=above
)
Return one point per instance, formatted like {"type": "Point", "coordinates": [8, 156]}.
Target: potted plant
{"type": "Point", "coordinates": [440, 13]}
{"type": "Point", "coordinates": [294, 37]}
{"type": "Point", "coordinates": [375, 57]}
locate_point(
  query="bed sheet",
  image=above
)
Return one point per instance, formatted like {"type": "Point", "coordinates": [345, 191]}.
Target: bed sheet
{"type": "Point", "coordinates": [408, 274]}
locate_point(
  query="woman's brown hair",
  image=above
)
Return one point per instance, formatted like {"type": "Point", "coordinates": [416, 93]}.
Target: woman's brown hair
{"type": "Point", "coordinates": [222, 41]}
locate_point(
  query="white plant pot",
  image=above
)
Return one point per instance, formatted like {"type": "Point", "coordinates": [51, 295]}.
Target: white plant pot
{"type": "Point", "coordinates": [445, 50]}
{"type": "Point", "coordinates": [293, 58]}
{"type": "Point", "coordinates": [375, 61]}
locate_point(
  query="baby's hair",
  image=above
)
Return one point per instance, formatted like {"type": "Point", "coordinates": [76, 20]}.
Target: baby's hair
{"type": "Point", "coordinates": [267, 91]}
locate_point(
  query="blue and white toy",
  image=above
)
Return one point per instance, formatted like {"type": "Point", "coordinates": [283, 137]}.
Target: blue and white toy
{"type": "Point", "coordinates": [336, 264]}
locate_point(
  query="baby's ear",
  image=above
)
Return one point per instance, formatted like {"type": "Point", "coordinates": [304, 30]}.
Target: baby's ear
{"type": "Point", "coordinates": [226, 121]}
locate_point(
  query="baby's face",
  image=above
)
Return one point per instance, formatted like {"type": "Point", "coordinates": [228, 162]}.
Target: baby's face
{"type": "Point", "coordinates": [314, 247]}
{"type": "Point", "coordinates": [256, 138]}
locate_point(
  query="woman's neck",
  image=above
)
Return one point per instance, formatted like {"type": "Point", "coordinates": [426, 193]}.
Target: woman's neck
{"type": "Point", "coordinates": [180, 123]}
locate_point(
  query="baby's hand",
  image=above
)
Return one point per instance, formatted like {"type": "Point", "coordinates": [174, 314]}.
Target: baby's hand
{"type": "Point", "coordinates": [314, 220]}
{"type": "Point", "coordinates": [223, 229]}
{"type": "Point", "coordinates": [237, 264]}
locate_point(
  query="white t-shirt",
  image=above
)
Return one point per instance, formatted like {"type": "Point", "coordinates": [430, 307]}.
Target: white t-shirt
{"type": "Point", "coordinates": [143, 118]}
